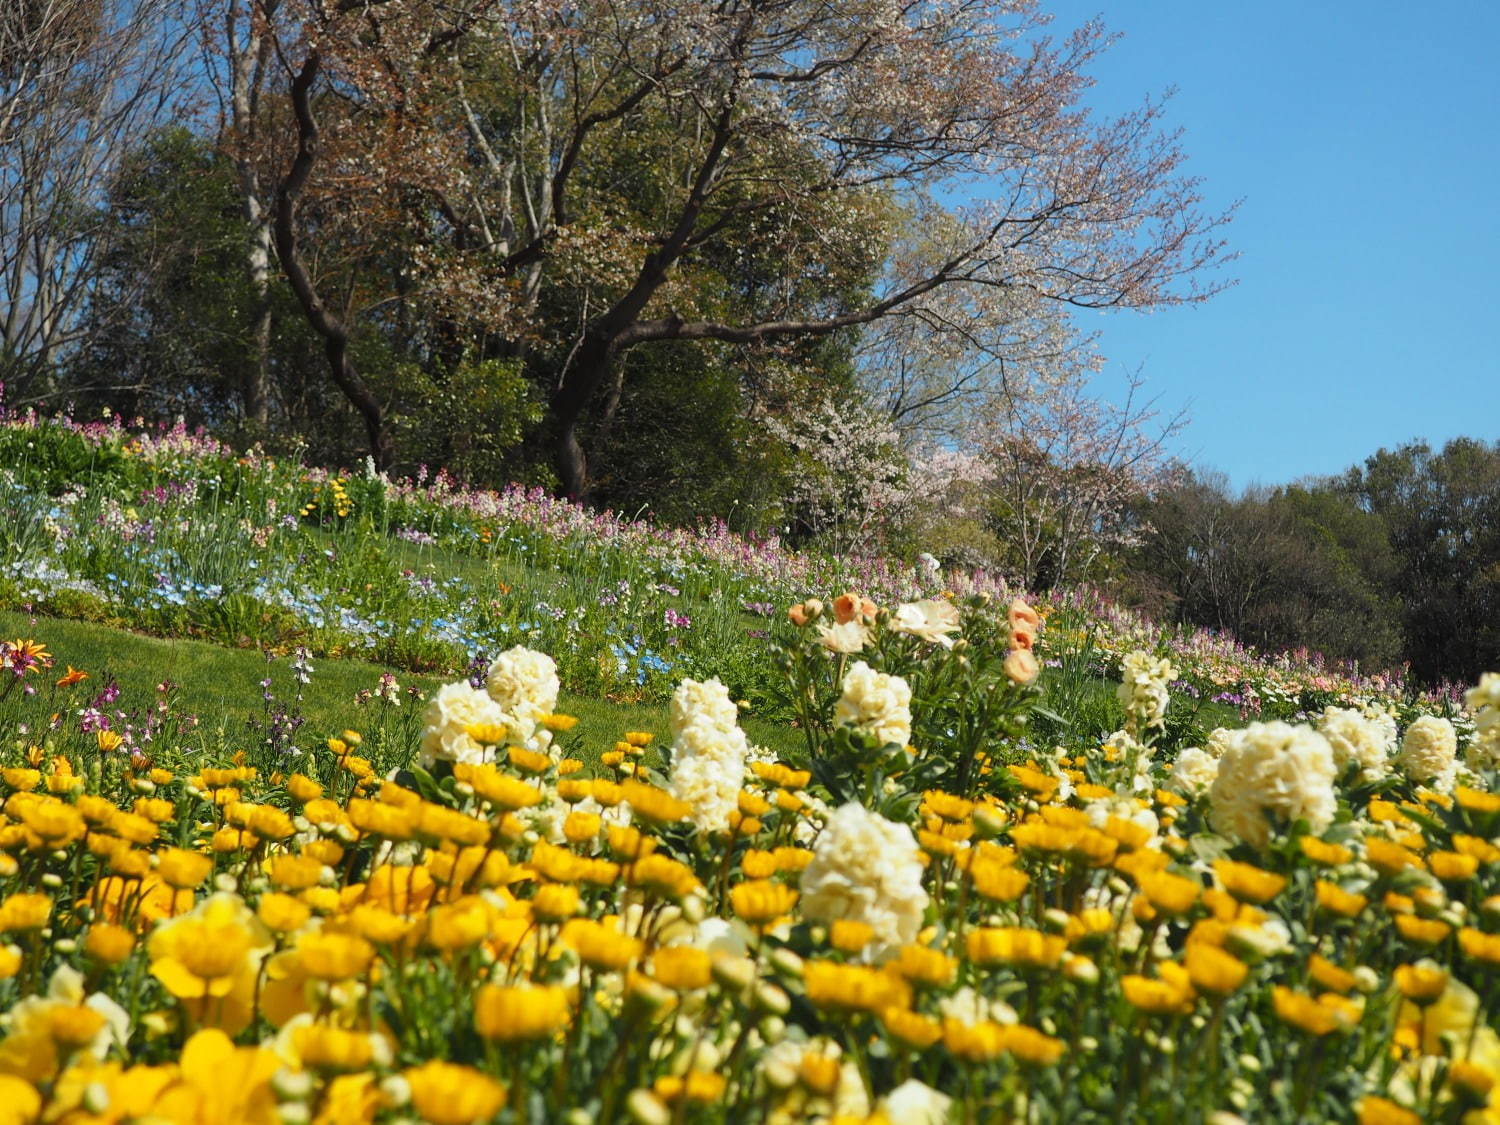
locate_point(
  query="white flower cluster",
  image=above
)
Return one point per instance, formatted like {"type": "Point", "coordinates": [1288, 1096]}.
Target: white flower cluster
{"type": "Point", "coordinates": [1194, 771]}
{"type": "Point", "coordinates": [1483, 702]}
{"type": "Point", "coordinates": [867, 869]}
{"type": "Point", "coordinates": [522, 687]}
{"type": "Point", "coordinates": [1272, 773]}
{"type": "Point", "coordinates": [524, 682]}
{"type": "Point", "coordinates": [1429, 752]}
{"type": "Point", "coordinates": [875, 703]}
{"type": "Point", "coordinates": [1358, 737]}
{"type": "Point", "coordinates": [1143, 691]}
{"type": "Point", "coordinates": [708, 752]}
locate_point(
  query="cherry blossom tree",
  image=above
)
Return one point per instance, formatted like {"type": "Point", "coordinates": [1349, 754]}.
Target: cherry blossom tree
{"type": "Point", "coordinates": [785, 145]}
{"type": "Point", "coordinates": [1068, 467]}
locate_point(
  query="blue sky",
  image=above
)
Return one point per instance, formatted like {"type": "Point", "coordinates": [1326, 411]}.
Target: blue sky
{"type": "Point", "coordinates": [1364, 142]}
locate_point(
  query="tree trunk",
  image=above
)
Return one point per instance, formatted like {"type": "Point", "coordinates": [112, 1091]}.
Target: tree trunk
{"type": "Point", "coordinates": [590, 368]}
{"type": "Point", "coordinates": [335, 334]}
{"type": "Point", "coordinates": [256, 391]}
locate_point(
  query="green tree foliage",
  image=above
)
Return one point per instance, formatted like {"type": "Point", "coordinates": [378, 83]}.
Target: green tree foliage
{"type": "Point", "coordinates": [1441, 511]}
{"type": "Point", "coordinates": [170, 303]}
{"type": "Point", "coordinates": [1297, 567]}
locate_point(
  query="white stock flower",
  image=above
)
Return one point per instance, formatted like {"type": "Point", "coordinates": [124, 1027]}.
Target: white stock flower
{"type": "Point", "coordinates": [452, 709]}
{"type": "Point", "coordinates": [931, 619]}
{"type": "Point", "coordinates": [1355, 737]}
{"type": "Point", "coordinates": [1143, 690]}
{"type": "Point", "coordinates": [1484, 694]}
{"type": "Point", "coordinates": [1273, 772]}
{"type": "Point", "coordinates": [708, 753]}
{"type": "Point", "coordinates": [709, 782]}
{"type": "Point", "coordinates": [868, 869]}
{"type": "Point", "coordinates": [1429, 752]}
{"type": "Point", "coordinates": [1194, 771]}
{"type": "Point", "coordinates": [524, 682]}
{"type": "Point", "coordinates": [709, 700]}
{"type": "Point", "coordinates": [875, 703]}
{"type": "Point", "coordinates": [1483, 702]}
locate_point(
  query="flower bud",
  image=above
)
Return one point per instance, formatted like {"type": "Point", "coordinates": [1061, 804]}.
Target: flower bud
{"type": "Point", "coordinates": [734, 973]}
{"type": "Point", "coordinates": [645, 1108]}
{"type": "Point", "coordinates": [96, 1098]}
{"type": "Point", "coordinates": [786, 962]}
{"type": "Point", "coordinates": [771, 998]}
{"type": "Point", "coordinates": [292, 1085]}
{"type": "Point", "coordinates": [395, 1090]}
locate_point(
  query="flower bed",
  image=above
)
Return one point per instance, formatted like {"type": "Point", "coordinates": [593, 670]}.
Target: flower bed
{"type": "Point", "coordinates": [916, 918]}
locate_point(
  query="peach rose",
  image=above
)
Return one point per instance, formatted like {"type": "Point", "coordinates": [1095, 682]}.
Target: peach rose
{"type": "Point", "coordinates": [1023, 614]}
{"type": "Point", "coordinates": [1022, 637]}
{"type": "Point", "coordinates": [1021, 666]}
{"type": "Point", "coordinates": [845, 607]}
{"type": "Point", "coordinates": [797, 615]}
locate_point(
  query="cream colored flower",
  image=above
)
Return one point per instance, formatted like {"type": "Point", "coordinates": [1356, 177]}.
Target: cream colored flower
{"type": "Point", "coordinates": [875, 703]}
{"type": "Point", "coordinates": [706, 700]}
{"type": "Point", "coordinates": [932, 619]}
{"type": "Point", "coordinates": [1429, 752]}
{"type": "Point", "coordinates": [1483, 702]}
{"type": "Point", "coordinates": [868, 869]}
{"type": "Point", "coordinates": [915, 1103]}
{"type": "Point", "coordinates": [1143, 691]}
{"type": "Point", "coordinates": [524, 682]}
{"type": "Point", "coordinates": [850, 637]}
{"type": "Point", "coordinates": [1354, 737]}
{"type": "Point", "coordinates": [1194, 771]}
{"type": "Point", "coordinates": [1273, 774]}
{"type": "Point", "coordinates": [708, 771]}
{"type": "Point", "coordinates": [708, 753]}
{"type": "Point", "coordinates": [452, 710]}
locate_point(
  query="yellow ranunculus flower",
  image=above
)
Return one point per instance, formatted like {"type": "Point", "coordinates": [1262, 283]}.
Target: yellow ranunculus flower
{"type": "Point", "coordinates": [446, 1094]}
{"type": "Point", "coordinates": [509, 1014]}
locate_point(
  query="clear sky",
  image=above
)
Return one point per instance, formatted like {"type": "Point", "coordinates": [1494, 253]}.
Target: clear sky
{"type": "Point", "coordinates": [1364, 142]}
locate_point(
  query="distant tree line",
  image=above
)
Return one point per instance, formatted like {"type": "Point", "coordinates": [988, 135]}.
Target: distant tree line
{"type": "Point", "coordinates": [1394, 561]}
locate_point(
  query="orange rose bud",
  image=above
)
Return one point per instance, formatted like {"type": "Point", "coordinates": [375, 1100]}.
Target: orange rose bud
{"type": "Point", "coordinates": [1021, 666]}
{"type": "Point", "coordinates": [1023, 615]}
{"type": "Point", "coordinates": [846, 607]}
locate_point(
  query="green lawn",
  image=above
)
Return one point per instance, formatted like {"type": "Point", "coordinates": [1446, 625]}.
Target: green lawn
{"type": "Point", "coordinates": [222, 686]}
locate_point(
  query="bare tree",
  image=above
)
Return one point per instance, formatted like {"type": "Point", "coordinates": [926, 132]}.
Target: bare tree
{"type": "Point", "coordinates": [239, 42]}
{"type": "Point", "coordinates": [81, 82]}
{"type": "Point", "coordinates": [1067, 467]}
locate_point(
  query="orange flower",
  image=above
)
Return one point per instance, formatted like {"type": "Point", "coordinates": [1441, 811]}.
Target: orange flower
{"type": "Point", "coordinates": [1023, 616]}
{"type": "Point", "coordinates": [71, 677]}
{"type": "Point", "coordinates": [1021, 666]}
